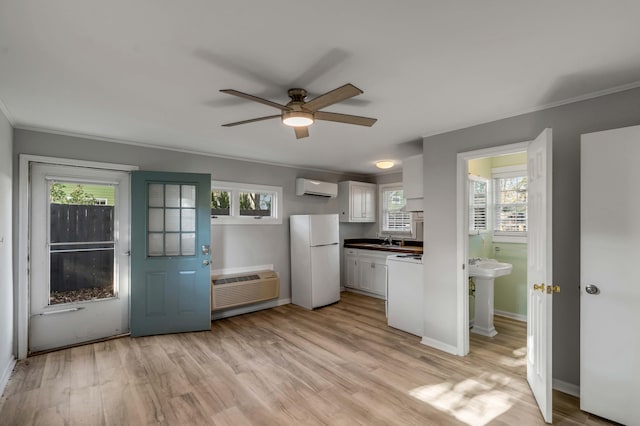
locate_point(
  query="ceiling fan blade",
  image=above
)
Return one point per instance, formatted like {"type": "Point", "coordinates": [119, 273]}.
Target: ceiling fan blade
{"type": "Point", "coordinates": [337, 95]}
{"type": "Point", "coordinates": [237, 123]}
{"type": "Point", "coordinates": [256, 99]}
{"type": "Point", "coordinates": [345, 118]}
{"type": "Point", "coordinates": [301, 132]}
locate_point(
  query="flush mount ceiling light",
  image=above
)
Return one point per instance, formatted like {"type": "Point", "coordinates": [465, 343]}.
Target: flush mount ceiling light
{"type": "Point", "coordinates": [384, 164]}
{"type": "Point", "coordinates": [297, 118]}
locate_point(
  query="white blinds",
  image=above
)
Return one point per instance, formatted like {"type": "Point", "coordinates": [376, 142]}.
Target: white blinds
{"type": "Point", "coordinates": [394, 220]}
{"type": "Point", "coordinates": [478, 205]}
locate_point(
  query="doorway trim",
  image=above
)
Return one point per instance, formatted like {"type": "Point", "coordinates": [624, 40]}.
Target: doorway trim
{"type": "Point", "coordinates": [462, 244]}
{"type": "Point", "coordinates": [22, 308]}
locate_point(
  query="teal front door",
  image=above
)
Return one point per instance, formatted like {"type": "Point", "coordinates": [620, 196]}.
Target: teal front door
{"type": "Point", "coordinates": [170, 240]}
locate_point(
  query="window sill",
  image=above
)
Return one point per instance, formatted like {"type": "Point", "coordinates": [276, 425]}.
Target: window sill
{"type": "Point", "coordinates": [510, 239]}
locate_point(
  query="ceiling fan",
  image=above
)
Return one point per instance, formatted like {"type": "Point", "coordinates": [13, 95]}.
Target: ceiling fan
{"type": "Point", "coordinates": [300, 114]}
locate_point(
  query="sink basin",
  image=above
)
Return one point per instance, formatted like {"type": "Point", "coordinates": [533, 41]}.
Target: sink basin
{"type": "Point", "coordinates": [489, 268]}
{"type": "Point", "coordinates": [484, 272]}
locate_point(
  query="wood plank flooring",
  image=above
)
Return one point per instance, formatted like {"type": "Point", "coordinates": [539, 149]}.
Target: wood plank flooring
{"type": "Point", "coordinates": [339, 365]}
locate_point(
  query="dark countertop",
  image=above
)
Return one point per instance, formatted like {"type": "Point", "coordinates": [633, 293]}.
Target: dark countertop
{"type": "Point", "coordinates": [376, 244]}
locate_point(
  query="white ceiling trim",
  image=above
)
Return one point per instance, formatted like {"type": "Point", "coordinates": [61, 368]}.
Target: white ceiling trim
{"type": "Point", "coordinates": [175, 149]}
{"type": "Point", "coordinates": [592, 95]}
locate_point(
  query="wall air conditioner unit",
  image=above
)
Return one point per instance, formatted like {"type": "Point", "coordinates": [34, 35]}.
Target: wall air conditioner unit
{"type": "Point", "coordinates": [316, 187]}
{"type": "Point", "coordinates": [242, 289]}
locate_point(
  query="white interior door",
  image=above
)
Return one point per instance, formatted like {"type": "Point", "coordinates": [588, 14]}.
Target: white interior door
{"type": "Point", "coordinates": [539, 272]}
{"type": "Point", "coordinates": [609, 291]}
{"type": "Point", "coordinates": [79, 264]}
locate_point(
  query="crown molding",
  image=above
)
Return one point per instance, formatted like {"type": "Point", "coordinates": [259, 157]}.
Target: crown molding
{"type": "Point", "coordinates": [592, 95]}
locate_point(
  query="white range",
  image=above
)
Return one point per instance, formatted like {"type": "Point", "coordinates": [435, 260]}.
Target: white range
{"type": "Point", "coordinates": [405, 294]}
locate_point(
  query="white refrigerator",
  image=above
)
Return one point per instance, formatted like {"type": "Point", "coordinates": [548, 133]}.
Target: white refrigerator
{"type": "Point", "coordinates": [315, 260]}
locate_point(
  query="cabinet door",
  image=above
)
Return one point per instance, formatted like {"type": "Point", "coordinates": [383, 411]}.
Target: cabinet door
{"type": "Point", "coordinates": [365, 269]}
{"type": "Point", "coordinates": [379, 283]}
{"type": "Point", "coordinates": [351, 263]}
{"type": "Point", "coordinates": [369, 204]}
{"type": "Point", "coordinates": [357, 202]}
{"type": "Point", "coordinates": [412, 177]}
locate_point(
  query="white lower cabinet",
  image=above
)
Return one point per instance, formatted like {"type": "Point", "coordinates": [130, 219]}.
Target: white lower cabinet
{"type": "Point", "coordinates": [351, 265]}
{"type": "Point", "coordinates": [367, 271]}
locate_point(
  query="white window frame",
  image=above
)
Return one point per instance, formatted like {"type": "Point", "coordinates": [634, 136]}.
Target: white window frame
{"type": "Point", "coordinates": [381, 190]}
{"type": "Point", "coordinates": [487, 206]}
{"type": "Point", "coordinates": [506, 172]}
{"type": "Point", "coordinates": [234, 218]}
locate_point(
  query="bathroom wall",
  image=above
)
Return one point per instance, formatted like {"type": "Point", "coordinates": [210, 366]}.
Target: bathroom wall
{"type": "Point", "coordinates": [509, 160]}
{"type": "Point", "coordinates": [510, 291]}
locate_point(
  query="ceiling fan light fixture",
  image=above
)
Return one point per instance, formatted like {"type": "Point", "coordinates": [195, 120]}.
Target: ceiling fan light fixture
{"type": "Point", "coordinates": [385, 164]}
{"type": "Point", "coordinates": [297, 118]}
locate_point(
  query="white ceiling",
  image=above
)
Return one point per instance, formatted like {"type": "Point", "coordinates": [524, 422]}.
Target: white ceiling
{"type": "Point", "coordinates": [150, 71]}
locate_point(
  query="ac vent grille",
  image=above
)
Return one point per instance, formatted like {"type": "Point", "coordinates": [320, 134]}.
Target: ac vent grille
{"type": "Point", "coordinates": [237, 290]}
{"type": "Point", "coordinates": [236, 279]}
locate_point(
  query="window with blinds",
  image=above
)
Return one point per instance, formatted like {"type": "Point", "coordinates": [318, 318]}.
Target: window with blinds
{"type": "Point", "coordinates": [394, 220]}
{"type": "Point", "coordinates": [478, 204]}
{"type": "Point", "coordinates": [510, 203]}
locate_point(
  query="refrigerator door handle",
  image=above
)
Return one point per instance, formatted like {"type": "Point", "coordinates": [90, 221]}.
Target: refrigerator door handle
{"type": "Point", "coordinates": [325, 245]}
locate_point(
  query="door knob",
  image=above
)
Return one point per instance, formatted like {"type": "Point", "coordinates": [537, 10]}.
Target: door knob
{"type": "Point", "coordinates": [205, 262]}
{"type": "Point", "coordinates": [553, 289]}
{"type": "Point", "coordinates": [592, 289]}
{"type": "Point", "coordinates": [538, 287]}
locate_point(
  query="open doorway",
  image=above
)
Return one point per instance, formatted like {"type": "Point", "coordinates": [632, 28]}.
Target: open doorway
{"type": "Point", "coordinates": [497, 236]}
{"type": "Point", "coordinates": [493, 219]}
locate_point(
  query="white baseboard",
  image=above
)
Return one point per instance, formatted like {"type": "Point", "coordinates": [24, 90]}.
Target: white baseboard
{"type": "Point", "coordinates": [242, 269]}
{"type": "Point", "coordinates": [4, 378]}
{"type": "Point", "coordinates": [232, 312]}
{"type": "Point", "coordinates": [427, 341]}
{"type": "Point", "coordinates": [565, 387]}
{"type": "Point", "coordinates": [517, 317]}
{"type": "Point", "coordinates": [366, 293]}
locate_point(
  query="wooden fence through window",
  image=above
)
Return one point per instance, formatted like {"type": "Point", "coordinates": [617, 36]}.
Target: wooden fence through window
{"type": "Point", "coordinates": [82, 246]}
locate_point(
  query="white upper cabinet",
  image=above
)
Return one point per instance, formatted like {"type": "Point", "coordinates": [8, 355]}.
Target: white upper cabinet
{"type": "Point", "coordinates": [412, 183]}
{"type": "Point", "coordinates": [357, 201]}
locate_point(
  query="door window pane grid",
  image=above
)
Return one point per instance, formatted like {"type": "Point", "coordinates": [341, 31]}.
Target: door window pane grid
{"type": "Point", "coordinates": [171, 216]}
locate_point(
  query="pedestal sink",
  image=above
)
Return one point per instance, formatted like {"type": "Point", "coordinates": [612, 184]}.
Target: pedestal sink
{"type": "Point", "coordinates": [484, 272]}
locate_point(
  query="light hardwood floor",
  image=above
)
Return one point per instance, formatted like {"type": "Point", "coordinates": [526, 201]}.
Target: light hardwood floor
{"type": "Point", "coordinates": [339, 365]}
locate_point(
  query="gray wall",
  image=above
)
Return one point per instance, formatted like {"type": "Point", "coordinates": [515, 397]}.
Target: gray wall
{"type": "Point", "coordinates": [568, 123]}
{"type": "Point", "coordinates": [232, 245]}
{"type": "Point", "coordinates": [6, 274]}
